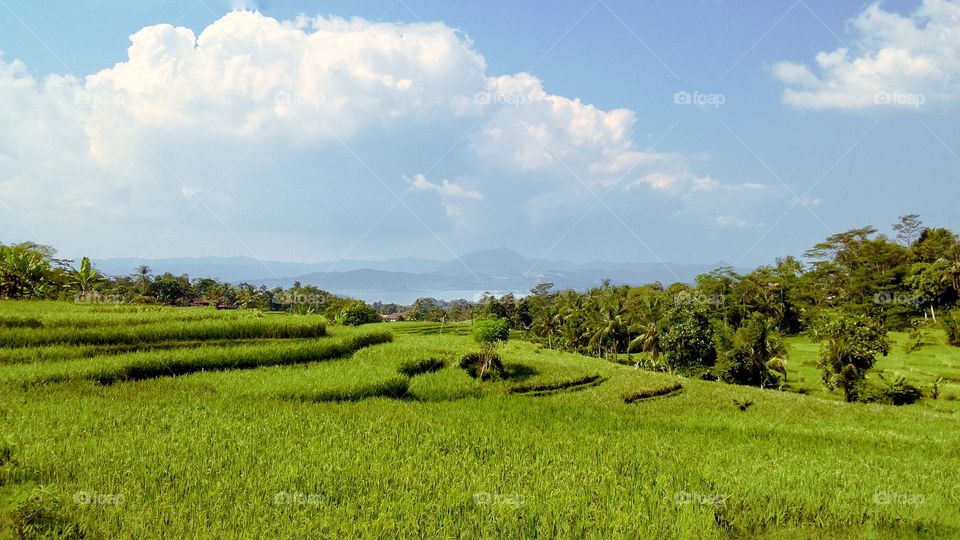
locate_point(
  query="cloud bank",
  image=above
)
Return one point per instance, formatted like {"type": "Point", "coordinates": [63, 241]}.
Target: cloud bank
{"type": "Point", "coordinates": [203, 121]}
{"type": "Point", "coordinates": [899, 61]}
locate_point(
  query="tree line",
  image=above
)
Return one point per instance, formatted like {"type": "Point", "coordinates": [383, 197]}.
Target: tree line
{"type": "Point", "coordinates": [845, 292]}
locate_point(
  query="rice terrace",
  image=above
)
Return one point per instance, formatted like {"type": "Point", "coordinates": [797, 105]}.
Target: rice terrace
{"type": "Point", "coordinates": [417, 269]}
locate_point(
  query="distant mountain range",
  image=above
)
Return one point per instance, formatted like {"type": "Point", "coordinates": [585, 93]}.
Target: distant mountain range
{"type": "Point", "coordinates": [403, 280]}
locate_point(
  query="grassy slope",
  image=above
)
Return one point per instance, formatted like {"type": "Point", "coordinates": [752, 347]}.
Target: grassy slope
{"type": "Point", "coordinates": [211, 451]}
{"type": "Point", "coordinates": [935, 359]}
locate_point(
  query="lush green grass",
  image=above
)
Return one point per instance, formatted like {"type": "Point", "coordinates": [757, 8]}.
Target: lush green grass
{"type": "Point", "coordinates": [146, 365]}
{"type": "Point", "coordinates": [375, 444]}
{"type": "Point", "coordinates": [120, 334]}
{"type": "Point", "coordinates": [933, 361]}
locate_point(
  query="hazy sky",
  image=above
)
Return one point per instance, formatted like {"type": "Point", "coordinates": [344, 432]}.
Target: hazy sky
{"type": "Point", "coordinates": [689, 131]}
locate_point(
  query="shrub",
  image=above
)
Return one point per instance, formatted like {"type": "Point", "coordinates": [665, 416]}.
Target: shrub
{"type": "Point", "coordinates": [356, 314]}
{"type": "Point", "coordinates": [951, 323]}
{"type": "Point", "coordinates": [491, 330]}
{"type": "Point", "coordinates": [896, 392]}
{"type": "Point", "coordinates": [38, 516]}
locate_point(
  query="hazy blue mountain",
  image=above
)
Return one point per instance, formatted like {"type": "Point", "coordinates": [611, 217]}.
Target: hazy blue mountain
{"type": "Point", "coordinates": [236, 269]}
{"type": "Point", "coordinates": [403, 280]}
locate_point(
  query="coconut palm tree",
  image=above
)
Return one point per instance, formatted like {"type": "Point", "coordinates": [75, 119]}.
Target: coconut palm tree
{"type": "Point", "coordinates": [763, 347]}
{"type": "Point", "coordinates": [648, 341]}
{"type": "Point", "coordinates": [548, 324]}
{"type": "Point", "coordinates": [143, 274]}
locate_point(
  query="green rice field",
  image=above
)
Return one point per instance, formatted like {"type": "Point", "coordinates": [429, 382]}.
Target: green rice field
{"type": "Point", "coordinates": [120, 422]}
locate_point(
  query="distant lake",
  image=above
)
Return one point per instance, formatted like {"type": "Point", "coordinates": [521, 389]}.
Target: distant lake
{"type": "Point", "coordinates": [408, 297]}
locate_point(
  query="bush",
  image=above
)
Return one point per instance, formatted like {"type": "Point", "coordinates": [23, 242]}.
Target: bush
{"type": "Point", "coordinates": [356, 314]}
{"type": "Point", "coordinates": [491, 330]}
{"type": "Point", "coordinates": [39, 516]}
{"type": "Point", "coordinates": [951, 323]}
{"type": "Point", "coordinates": [896, 392]}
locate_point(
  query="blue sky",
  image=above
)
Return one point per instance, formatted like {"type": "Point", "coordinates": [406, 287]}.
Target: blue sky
{"type": "Point", "coordinates": [698, 131]}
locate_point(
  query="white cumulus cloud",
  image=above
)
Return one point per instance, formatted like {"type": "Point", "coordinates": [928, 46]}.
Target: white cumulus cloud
{"type": "Point", "coordinates": [899, 61]}
{"type": "Point", "coordinates": [203, 121]}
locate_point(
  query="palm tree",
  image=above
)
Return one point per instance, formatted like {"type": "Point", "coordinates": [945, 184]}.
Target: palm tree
{"type": "Point", "coordinates": [143, 274]}
{"type": "Point", "coordinates": [648, 341]}
{"type": "Point", "coordinates": [606, 330]}
{"type": "Point", "coordinates": [763, 347]}
{"type": "Point", "coordinates": [606, 326]}
{"type": "Point", "coordinates": [548, 324]}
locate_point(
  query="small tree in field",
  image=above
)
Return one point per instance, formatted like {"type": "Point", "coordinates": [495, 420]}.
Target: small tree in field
{"type": "Point", "coordinates": [849, 349]}
{"type": "Point", "coordinates": [489, 333]}
{"type": "Point", "coordinates": [357, 313]}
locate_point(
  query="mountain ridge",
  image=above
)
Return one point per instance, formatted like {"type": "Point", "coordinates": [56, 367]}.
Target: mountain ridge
{"type": "Point", "coordinates": [404, 279]}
